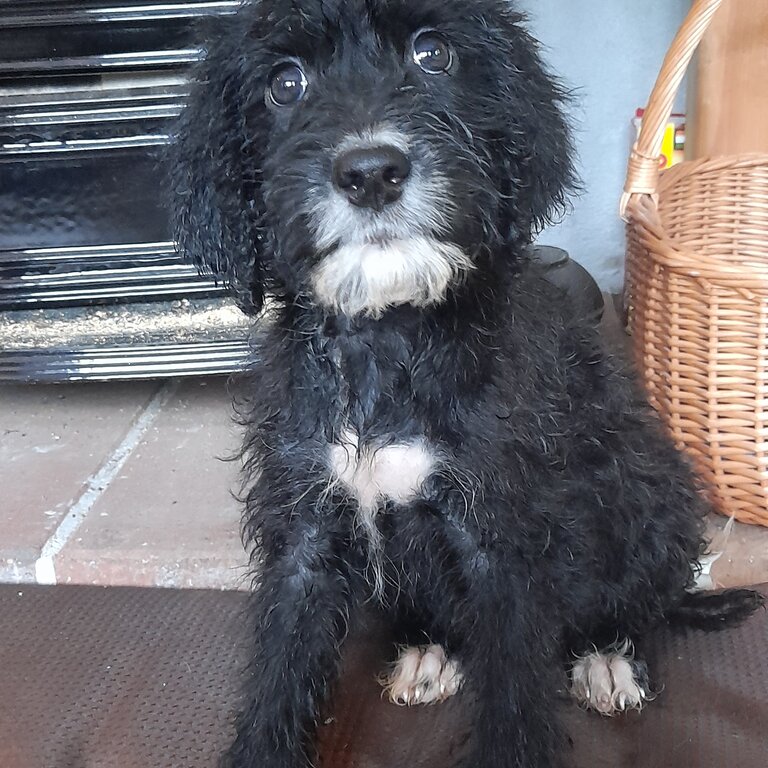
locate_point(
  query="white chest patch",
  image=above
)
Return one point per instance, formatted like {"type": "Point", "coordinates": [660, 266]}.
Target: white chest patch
{"type": "Point", "coordinates": [373, 475]}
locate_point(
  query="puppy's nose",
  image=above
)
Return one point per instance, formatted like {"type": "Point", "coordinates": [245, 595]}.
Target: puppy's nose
{"type": "Point", "coordinates": [371, 178]}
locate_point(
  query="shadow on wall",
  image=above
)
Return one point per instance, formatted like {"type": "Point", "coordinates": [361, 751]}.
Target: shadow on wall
{"type": "Point", "coordinates": [610, 53]}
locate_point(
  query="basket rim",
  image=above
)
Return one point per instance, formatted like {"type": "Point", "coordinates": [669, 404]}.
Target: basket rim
{"type": "Point", "coordinates": [644, 218]}
{"type": "Point", "coordinates": [713, 163]}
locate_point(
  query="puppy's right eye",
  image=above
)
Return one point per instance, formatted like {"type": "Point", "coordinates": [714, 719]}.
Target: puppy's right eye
{"type": "Point", "coordinates": [432, 53]}
{"type": "Point", "coordinates": [287, 85]}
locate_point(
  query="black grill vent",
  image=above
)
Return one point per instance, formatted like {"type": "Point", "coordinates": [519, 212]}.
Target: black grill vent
{"type": "Point", "coordinates": [88, 94]}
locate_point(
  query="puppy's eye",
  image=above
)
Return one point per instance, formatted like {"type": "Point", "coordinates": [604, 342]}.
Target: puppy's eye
{"type": "Point", "coordinates": [288, 85]}
{"type": "Point", "coordinates": [432, 52]}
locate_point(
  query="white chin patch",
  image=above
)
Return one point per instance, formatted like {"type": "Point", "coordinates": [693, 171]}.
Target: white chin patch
{"type": "Point", "coordinates": [610, 682]}
{"type": "Point", "coordinates": [421, 675]}
{"type": "Point", "coordinates": [368, 278]}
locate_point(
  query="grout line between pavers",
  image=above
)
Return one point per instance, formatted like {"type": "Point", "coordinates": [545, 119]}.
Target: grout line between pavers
{"type": "Point", "coordinates": [45, 569]}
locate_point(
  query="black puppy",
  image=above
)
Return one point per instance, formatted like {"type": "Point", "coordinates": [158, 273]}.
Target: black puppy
{"type": "Point", "coordinates": [429, 431]}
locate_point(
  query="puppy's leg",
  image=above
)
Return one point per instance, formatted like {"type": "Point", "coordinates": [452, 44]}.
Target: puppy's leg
{"type": "Point", "coordinates": [424, 669]}
{"type": "Point", "coordinates": [509, 665]}
{"type": "Point", "coordinates": [495, 625]}
{"type": "Point", "coordinates": [301, 608]}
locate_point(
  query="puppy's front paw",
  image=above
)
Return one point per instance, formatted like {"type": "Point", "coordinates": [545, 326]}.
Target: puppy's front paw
{"type": "Point", "coordinates": [612, 681]}
{"type": "Point", "coordinates": [421, 675]}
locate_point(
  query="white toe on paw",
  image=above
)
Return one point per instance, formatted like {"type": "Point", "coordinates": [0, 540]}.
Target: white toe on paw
{"type": "Point", "coordinates": [421, 675]}
{"type": "Point", "coordinates": [611, 681]}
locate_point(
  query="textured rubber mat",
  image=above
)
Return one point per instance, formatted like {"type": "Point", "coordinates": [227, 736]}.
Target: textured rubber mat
{"type": "Point", "coordinates": [96, 677]}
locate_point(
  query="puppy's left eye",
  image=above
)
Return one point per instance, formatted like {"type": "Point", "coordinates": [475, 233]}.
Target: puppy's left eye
{"type": "Point", "coordinates": [287, 85]}
{"type": "Point", "coordinates": [432, 52]}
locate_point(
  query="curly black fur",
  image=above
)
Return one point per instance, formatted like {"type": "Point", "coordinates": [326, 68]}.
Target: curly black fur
{"type": "Point", "coordinates": [559, 515]}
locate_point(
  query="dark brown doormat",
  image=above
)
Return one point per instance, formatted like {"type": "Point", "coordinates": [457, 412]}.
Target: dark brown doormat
{"type": "Point", "coordinates": [140, 678]}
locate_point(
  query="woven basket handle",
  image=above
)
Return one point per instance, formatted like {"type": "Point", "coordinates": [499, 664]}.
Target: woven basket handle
{"type": "Point", "coordinates": [643, 170]}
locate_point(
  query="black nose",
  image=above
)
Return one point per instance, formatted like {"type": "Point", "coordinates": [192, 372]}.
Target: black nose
{"type": "Point", "coordinates": [371, 178]}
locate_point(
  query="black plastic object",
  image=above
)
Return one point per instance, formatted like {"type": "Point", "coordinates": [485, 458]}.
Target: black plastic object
{"type": "Point", "coordinates": [583, 292]}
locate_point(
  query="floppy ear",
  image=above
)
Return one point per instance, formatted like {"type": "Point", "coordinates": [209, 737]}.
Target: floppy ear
{"type": "Point", "coordinates": [540, 163]}
{"type": "Point", "coordinates": [213, 170]}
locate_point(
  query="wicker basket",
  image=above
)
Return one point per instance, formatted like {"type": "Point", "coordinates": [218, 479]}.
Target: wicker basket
{"type": "Point", "coordinates": [697, 295]}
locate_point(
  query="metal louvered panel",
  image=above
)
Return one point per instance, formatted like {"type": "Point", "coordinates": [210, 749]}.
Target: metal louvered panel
{"type": "Point", "coordinates": [89, 91]}
{"type": "Point", "coordinates": [119, 341]}
{"type": "Point", "coordinates": [85, 275]}
{"type": "Point", "coordinates": [100, 37]}
{"type": "Point", "coordinates": [123, 363]}
{"type": "Point", "coordinates": [28, 13]}
{"type": "Point", "coordinates": [81, 196]}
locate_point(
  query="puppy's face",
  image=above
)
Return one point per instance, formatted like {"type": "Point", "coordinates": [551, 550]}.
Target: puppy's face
{"type": "Point", "coordinates": [367, 153]}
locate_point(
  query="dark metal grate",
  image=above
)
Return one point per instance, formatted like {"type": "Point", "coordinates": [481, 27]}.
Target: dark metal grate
{"type": "Point", "coordinates": [57, 277]}
{"type": "Point", "coordinates": [88, 94]}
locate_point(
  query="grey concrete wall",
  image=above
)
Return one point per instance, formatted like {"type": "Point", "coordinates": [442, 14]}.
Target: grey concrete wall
{"type": "Point", "coordinates": [610, 52]}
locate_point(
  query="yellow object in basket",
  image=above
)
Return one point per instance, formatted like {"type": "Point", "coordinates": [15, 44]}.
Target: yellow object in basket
{"type": "Point", "coordinates": [668, 147]}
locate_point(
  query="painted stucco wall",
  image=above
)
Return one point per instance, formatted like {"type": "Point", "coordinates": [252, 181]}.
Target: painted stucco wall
{"type": "Point", "coordinates": [610, 52]}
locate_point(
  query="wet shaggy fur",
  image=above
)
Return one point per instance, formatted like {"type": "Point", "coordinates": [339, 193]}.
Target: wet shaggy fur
{"type": "Point", "coordinates": [558, 516]}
